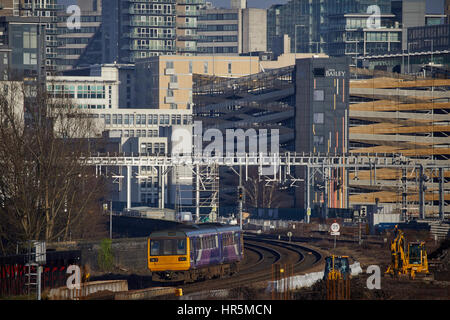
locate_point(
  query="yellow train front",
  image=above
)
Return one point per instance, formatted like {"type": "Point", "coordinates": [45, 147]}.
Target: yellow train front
{"type": "Point", "coordinates": [189, 253]}
{"type": "Point", "coordinates": [168, 255]}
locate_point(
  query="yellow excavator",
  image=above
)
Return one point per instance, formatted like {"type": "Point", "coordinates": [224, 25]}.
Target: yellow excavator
{"type": "Point", "coordinates": [407, 259]}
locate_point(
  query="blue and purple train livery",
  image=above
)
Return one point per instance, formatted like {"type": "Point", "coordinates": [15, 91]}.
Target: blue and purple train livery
{"type": "Point", "coordinates": [192, 252]}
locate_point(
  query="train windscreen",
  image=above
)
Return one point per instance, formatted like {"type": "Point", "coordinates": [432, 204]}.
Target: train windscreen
{"type": "Point", "coordinates": [167, 247]}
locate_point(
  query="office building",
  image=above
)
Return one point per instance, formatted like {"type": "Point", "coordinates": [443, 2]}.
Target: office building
{"type": "Point", "coordinates": [80, 46]}
{"type": "Point", "coordinates": [275, 37]}
{"type": "Point", "coordinates": [413, 15]}
{"type": "Point", "coordinates": [447, 10]}
{"type": "Point", "coordinates": [102, 92]}
{"type": "Point", "coordinates": [238, 4]}
{"type": "Point", "coordinates": [232, 31]}
{"type": "Point", "coordinates": [346, 27]}
{"type": "Point", "coordinates": [321, 115]}
{"type": "Point", "coordinates": [423, 39]}
{"type": "Point", "coordinates": [349, 28]}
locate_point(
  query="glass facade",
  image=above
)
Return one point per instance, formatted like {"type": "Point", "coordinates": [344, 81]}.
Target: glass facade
{"type": "Point", "coordinates": [422, 38]}
{"type": "Point", "coordinates": [336, 27]}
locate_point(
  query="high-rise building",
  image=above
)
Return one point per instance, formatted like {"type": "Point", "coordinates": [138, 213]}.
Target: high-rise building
{"type": "Point", "coordinates": [232, 31]}
{"type": "Point", "coordinates": [447, 10]}
{"type": "Point", "coordinates": [22, 47]}
{"type": "Point", "coordinates": [321, 115]}
{"type": "Point", "coordinates": [133, 29]}
{"type": "Point", "coordinates": [301, 20]}
{"type": "Point", "coordinates": [41, 9]}
{"type": "Point", "coordinates": [413, 16]}
{"type": "Point", "coordinates": [351, 27]}
{"type": "Point", "coordinates": [187, 14]}
{"type": "Point", "coordinates": [49, 10]}
{"type": "Point", "coordinates": [275, 36]}
{"type": "Point", "coordinates": [80, 45]}
{"type": "Point", "coordinates": [238, 4]}
{"type": "Point", "coordinates": [358, 28]}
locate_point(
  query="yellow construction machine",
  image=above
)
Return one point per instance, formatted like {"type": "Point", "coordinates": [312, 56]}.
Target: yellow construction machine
{"type": "Point", "coordinates": [407, 259]}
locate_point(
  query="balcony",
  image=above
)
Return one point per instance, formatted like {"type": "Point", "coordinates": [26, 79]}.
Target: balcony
{"type": "Point", "coordinates": [187, 26]}
{"type": "Point", "coordinates": [135, 35]}
{"type": "Point", "coordinates": [188, 37]}
{"type": "Point", "coordinates": [169, 71]}
{"type": "Point", "coordinates": [150, 12]}
{"type": "Point", "coordinates": [182, 13]}
{"type": "Point", "coordinates": [187, 49]}
{"type": "Point", "coordinates": [149, 24]}
{"type": "Point", "coordinates": [173, 85]}
{"type": "Point", "coordinates": [169, 99]}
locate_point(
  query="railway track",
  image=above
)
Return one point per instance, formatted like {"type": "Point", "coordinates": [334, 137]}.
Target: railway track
{"type": "Point", "coordinates": [260, 255]}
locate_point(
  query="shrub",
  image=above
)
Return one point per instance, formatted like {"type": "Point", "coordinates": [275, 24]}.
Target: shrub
{"type": "Point", "coordinates": [105, 255]}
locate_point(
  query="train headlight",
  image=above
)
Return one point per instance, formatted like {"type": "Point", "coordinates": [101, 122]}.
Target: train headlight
{"type": "Point", "coordinates": [153, 259]}
{"type": "Point", "coordinates": [182, 259]}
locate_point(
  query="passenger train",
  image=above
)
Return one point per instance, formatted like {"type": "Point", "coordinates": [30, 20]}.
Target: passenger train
{"type": "Point", "coordinates": [194, 252]}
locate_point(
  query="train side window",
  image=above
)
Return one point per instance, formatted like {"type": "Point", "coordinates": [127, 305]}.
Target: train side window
{"type": "Point", "coordinates": [154, 247]}
{"type": "Point", "coordinates": [236, 237]}
{"type": "Point", "coordinates": [198, 244]}
{"type": "Point", "coordinates": [181, 246]}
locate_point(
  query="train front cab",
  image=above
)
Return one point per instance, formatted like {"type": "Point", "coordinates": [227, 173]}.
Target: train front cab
{"type": "Point", "coordinates": [168, 256]}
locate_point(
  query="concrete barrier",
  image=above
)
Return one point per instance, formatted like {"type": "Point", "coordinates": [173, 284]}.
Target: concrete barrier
{"type": "Point", "coordinates": [306, 280]}
{"type": "Point", "coordinates": [145, 294]}
{"type": "Point", "coordinates": [64, 293]}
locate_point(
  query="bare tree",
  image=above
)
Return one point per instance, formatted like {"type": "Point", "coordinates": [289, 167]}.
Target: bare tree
{"type": "Point", "coordinates": [260, 194]}
{"type": "Point", "coordinates": [45, 190]}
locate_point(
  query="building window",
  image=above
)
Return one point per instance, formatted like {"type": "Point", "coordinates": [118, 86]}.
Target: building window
{"type": "Point", "coordinates": [319, 72]}
{"type": "Point", "coordinates": [205, 67]}
{"type": "Point", "coordinates": [169, 64]}
{"type": "Point", "coordinates": [190, 67]}
{"type": "Point", "coordinates": [319, 95]}
{"type": "Point", "coordinates": [319, 118]}
{"type": "Point", "coordinates": [229, 67]}
{"type": "Point", "coordinates": [119, 119]}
